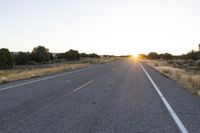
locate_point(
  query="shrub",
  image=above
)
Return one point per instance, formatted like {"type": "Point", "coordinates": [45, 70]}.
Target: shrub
{"type": "Point", "coordinates": [170, 61]}
{"type": "Point", "coordinates": [32, 63]}
{"type": "Point", "coordinates": [22, 58]}
{"type": "Point", "coordinates": [6, 59]}
{"type": "Point", "coordinates": [181, 61]}
{"type": "Point", "coordinates": [83, 55]}
{"type": "Point", "coordinates": [185, 66]}
{"type": "Point", "coordinates": [60, 56]}
{"type": "Point", "coordinates": [197, 63]}
{"type": "Point", "coordinates": [72, 55]}
{"type": "Point", "coordinates": [51, 56]}
{"type": "Point", "coordinates": [40, 54]}
{"type": "Point", "coordinates": [191, 62]}
{"type": "Point", "coordinates": [166, 56]}
{"type": "Point", "coordinates": [153, 55]}
{"type": "Point", "coordinates": [93, 55]}
{"type": "Point", "coordinates": [195, 55]}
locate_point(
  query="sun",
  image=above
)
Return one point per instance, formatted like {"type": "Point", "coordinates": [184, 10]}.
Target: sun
{"type": "Point", "coordinates": [135, 55]}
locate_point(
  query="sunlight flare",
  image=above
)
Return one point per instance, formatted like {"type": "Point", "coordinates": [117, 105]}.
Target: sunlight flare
{"type": "Point", "coordinates": [135, 55]}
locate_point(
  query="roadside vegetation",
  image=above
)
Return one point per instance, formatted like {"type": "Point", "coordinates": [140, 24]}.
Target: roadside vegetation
{"type": "Point", "coordinates": [40, 62]}
{"type": "Point", "coordinates": [184, 69]}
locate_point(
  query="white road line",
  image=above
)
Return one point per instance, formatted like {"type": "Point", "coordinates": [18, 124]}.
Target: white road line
{"type": "Point", "coordinates": [78, 88]}
{"type": "Point", "coordinates": [169, 108]}
{"type": "Point", "coordinates": [42, 79]}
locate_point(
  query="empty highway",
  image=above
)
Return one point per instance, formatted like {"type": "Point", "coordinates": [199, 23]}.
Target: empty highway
{"type": "Point", "coordinates": [119, 97]}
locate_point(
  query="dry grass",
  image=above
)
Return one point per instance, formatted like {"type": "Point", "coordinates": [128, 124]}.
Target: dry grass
{"type": "Point", "coordinates": [99, 60]}
{"type": "Point", "coordinates": [35, 71]}
{"type": "Point", "coordinates": [189, 80]}
{"type": "Point", "coordinates": [16, 74]}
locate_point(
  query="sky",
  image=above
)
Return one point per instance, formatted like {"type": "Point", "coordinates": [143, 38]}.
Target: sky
{"type": "Point", "coordinates": [101, 26]}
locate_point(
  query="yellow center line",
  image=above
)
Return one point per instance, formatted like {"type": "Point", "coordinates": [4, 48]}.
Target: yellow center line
{"type": "Point", "coordinates": [78, 88]}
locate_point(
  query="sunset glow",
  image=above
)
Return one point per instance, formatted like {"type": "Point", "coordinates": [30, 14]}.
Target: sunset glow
{"type": "Point", "coordinates": [135, 55]}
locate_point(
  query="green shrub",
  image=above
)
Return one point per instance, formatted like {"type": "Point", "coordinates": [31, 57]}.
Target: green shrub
{"type": "Point", "coordinates": [195, 55]}
{"type": "Point", "coordinates": [6, 59]}
{"type": "Point", "coordinates": [72, 55]}
{"type": "Point", "coordinates": [40, 54]}
{"type": "Point", "coordinates": [32, 63]}
{"type": "Point", "coordinates": [21, 58]}
{"type": "Point", "coordinates": [153, 55]}
{"type": "Point", "coordinates": [166, 56]}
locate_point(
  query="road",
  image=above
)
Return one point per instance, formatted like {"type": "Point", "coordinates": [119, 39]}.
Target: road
{"type": "Point", "coordinates": [116, 97]}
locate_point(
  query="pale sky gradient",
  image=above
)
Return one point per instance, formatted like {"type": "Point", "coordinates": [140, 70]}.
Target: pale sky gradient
{"type": "Point", "coordinates": [101, 26]}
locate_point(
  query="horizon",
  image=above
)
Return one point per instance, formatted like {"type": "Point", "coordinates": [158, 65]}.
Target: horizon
{"type": "Point", "coordinates": [102, 27]}
{"type": "Point", "coordinates": [132, 54]}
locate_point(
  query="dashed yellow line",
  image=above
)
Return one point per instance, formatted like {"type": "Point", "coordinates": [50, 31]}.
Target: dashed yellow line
{"type": "Point", "coordinates": [78, 88]}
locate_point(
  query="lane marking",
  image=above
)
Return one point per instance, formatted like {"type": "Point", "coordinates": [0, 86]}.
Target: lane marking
{"type": "Point", "coordinates": [46, 78]}
{"type": "Point", "coordinates": [169, 108]}
{"type": "Point", "coordinates": [78, 88]}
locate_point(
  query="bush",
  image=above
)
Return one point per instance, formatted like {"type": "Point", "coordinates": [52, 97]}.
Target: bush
{"type": "Point", "coordinates": [197, 63]}
{"type": "Point", "coordinates": [178, 62]}
{"type": "Point", "coordinates": [166, 56]}
{"type": "Point", "coordinates": [40, 54]}
{"type": "Point", "coordinates": [142, 56]}
{"type": "Point", "coordinates": [190, 62]}
{"type": "Point", "coordinates": [185, 66]}
{"type": "Point", "coordinates": [195, 55]}
{"type": "Point", "coordinates": [32, 63]}
{"type": "Point", "coordinates": [60, 56]}
{"type": "Point", "coordinates": [6, 59]}
{"type": "Point", "coordinates": [83, 55]}
{"type": "Point", "coordinates": [153, 55]}
{"type": "Point", "coordinates": [93, 55]}
{"type": "Point", "coordinates": [51, 56]}
{"type": "Point", "coordinates": [170, 61]}
{"type": "Point", "coordinates": [21, 58]}
{"type": "Point", "coordinates": [72, 55]}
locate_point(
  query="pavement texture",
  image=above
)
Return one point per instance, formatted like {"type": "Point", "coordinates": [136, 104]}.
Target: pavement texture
{"type": "Point", "coordinates": [115, 97]}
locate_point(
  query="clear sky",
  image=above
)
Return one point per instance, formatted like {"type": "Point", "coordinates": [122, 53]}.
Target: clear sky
{"type": "Point", "coordinates": [101, 26]}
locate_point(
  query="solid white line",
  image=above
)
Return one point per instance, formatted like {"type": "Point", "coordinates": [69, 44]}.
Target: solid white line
{"type": "Point", "coordinates": [169, 108]}
{"type": "Point", "coordinates": [78, 88]}
{"type": "Point", "coordinates": [42, 79]}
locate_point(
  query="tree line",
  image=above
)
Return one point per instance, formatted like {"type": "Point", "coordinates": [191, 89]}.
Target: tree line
{"type": "Point", "coordinates": [39, 55]}
{"type": "Point", "coordinates": [194, 55]}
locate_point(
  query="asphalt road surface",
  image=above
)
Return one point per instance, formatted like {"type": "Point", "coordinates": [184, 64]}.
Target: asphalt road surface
{"type": "Point", "coordinates": [117, 97]}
